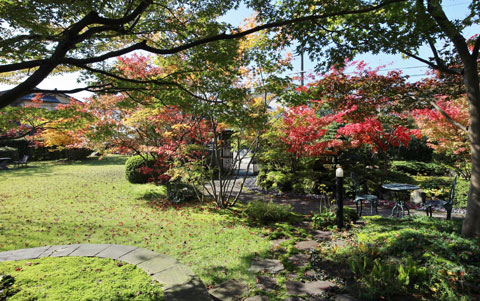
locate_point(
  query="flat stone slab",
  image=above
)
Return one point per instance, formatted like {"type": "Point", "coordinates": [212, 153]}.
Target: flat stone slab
{"type": "Point", "coordinates": [59, 251]}
{"type": "Point", "coordinates": [276, 243]}
{"type": "Point", "coordinates": [300, 260]}
{"type": "Point", "coordinates": [22, 254]}
{"type": "Point", "coordinates": [339, 243]}
{"type": "Point", "coordinates": [313, 288]}
{"type": "Point", "coordinates": [306, 245]}
{"type": "Point", "coordinates": [192, 290]}
{"type": "Point", "coordinates": [271, 266]}
{"type": "Point", "coordinates": [231, 290]}
{"type": "Point", "coordinates": [174, 275]}
{"type": "Point", "coordinates": [157, 264]}
{"type": "Point", "coordinates": [265, 283]}
{"type": "Point", "coordinates": [138, 256]}
{"type": "Point", "coordinates": [89, 250]}
{"type": "Point", "coordinates": [319, 235]}
{"type": "Point", "coordinates": [116, 251]}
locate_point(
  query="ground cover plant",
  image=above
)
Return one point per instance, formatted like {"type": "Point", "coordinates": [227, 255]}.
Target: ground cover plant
{"type": "Point", "coordinates": [420, 257]}
{"type": "Point", "coordinates": [78, 278]}
{"type": "Point", "coordinates": [51, 203]}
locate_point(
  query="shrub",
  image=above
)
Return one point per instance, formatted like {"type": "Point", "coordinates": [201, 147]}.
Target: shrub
{"type": "Point", "coordinates": [133, 169]}
{"type": "Point", "coordinates": [178, 192]}
{"type": "Point", "coordinates": [328, 219]}
{"type": "Point", "coordinates": [416, 168]}
{"type": "Point", "coordinates": [265, 213]}
{"type": "Point", "coordinates": [9, 152]}
{"type": "Point", "coordinates": [461, 194]}
{"type": "Point", "coordinates": [417, 150]}
{"type": "Point", "coordinates": [281, 181]}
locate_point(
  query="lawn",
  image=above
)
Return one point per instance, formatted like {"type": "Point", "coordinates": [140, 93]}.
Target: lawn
{"type": "Point", "coordinates": [78, 278]}
{"type": "Point", "coordinates": [51, 203]}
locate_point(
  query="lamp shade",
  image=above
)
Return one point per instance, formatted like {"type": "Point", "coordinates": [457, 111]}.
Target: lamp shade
{"type": "Point", "coordinates": [339, 172]}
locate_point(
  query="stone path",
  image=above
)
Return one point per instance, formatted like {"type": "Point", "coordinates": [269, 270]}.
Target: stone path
{"type": "Point", "coordinates": [180, 283]}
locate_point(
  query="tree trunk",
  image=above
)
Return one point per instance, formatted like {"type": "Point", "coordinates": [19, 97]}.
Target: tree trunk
{"type": "Point", "coordinates": [471, 224]}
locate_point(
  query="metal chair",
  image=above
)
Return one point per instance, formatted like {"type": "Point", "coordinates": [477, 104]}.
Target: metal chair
{"type": "Point", "coordinates": [23, 161]}
{"type": "Point", "coordinates": [360, 197]}
{"type": "Point", "coordinates": [448, 205]}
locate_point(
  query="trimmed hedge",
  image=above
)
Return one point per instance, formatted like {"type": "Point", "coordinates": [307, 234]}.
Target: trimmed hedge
{"type": "Point", "coordinates": [417, 168]}
{"type": "Point", "coordinates": [132, 172]}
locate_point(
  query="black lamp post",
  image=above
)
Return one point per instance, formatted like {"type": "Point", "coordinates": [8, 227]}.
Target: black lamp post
{"type": "Point", "coordinates": [339, 196]}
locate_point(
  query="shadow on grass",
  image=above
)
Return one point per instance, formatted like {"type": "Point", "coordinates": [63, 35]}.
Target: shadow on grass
{"type": "Point", "coordinates": [34, 169]}
{"type": "Point", "coordinates": [95, 161]}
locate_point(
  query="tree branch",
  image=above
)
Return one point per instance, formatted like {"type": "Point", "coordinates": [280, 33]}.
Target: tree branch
{"type": "Point", "coordinates": [71, 36]}
{"type": "Point", "coordinates": [449, 119]}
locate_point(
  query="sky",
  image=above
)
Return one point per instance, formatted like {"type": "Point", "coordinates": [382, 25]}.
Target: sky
{"type": "Point", "coordinates": [455, 9]}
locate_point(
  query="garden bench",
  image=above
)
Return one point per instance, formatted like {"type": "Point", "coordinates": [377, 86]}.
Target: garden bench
{"type": "Point", "coordinates": [448, 205]}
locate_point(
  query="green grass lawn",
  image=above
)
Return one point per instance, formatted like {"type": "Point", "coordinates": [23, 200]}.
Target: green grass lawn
{"type": "Point", "coordinates": [79, 278]}
{"type": "Point", "coordinates": [52, 203]}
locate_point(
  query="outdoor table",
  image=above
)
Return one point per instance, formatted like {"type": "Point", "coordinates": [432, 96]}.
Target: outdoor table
{"type": "Point", "coordinates": [397, 189]}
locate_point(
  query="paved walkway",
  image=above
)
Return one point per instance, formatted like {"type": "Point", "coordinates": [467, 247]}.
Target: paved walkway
{"type": "Point", "coordinates": [180, 283]}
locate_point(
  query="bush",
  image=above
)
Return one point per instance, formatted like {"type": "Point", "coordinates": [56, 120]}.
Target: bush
{"type": "Point", "coordinates": [416, 168]}
{"type": "Point", "coordinates": [328, 218]}
{"type": "Point", "coordinates": [417, 150]}
{"type": "Point", "coordinates": [279, 180]}
{"type": "Point", "coordinates": [133, 170]}
{"type": "Point", "coordinates": [265, 213]}
{"type": "Point", "coordinates": [9, 152]}
{"type": "Point", "coordinates": [461, 193]}
{"type": "Point", "coordinates": [178, 192]}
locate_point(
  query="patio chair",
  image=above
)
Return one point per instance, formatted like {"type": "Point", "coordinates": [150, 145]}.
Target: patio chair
{"type": "Point", "coordinates": [360, 197]}
{"type": "Point", "coordinates": [23, 161]}
{"type": "Point", "coordinates": [448, 205]}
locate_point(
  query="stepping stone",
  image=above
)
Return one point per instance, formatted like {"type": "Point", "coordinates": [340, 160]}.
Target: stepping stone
{"type": "Point", "coordinates": [257, 298]}
{"type": "Point", "coordinates": [116, 251]}
{"type": "Point", "coordinates": [89, 250]}
{"type": "Point", "coordinates": [231, 290]}
{"type": "Point", "coordinates": [344, 297]}
{"type": "Point", "coordinates": [21, 254]}
{"type": "Point", "coordinates": [310, 288]}
{"type": "Point", "coordinates": [192, 290]}
{"type": "Point", "coordinates": [157, 264]}
{"type": "Point", "coordinates": [265, 283]}
{"type": "Point", "coordinates": [176, 274]}
{"type": "Point", "coordinates": [306, 245]}
{"type": "Point", "coordinates": [319, 235]}
{"type": "Point", "coordinates": [138, 256]}
{"type": "Point", "coordinates": [60, 251]}
{"type": "Point", "coordinates": [276, 243]}
{"type": "Point", "coordinates": [271, 266]}
{"type": "Point", "coordinates": [339, 243]}
{"type": "Point", "coordinates": [300, 260]}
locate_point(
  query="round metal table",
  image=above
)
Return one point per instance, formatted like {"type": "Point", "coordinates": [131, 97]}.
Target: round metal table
{"type": "Point", "coordinates": [398, 189]}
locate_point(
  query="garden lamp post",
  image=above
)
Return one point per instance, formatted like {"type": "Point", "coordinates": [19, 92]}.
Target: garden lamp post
{"type": "Point", "coordinates": [339, 196]}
